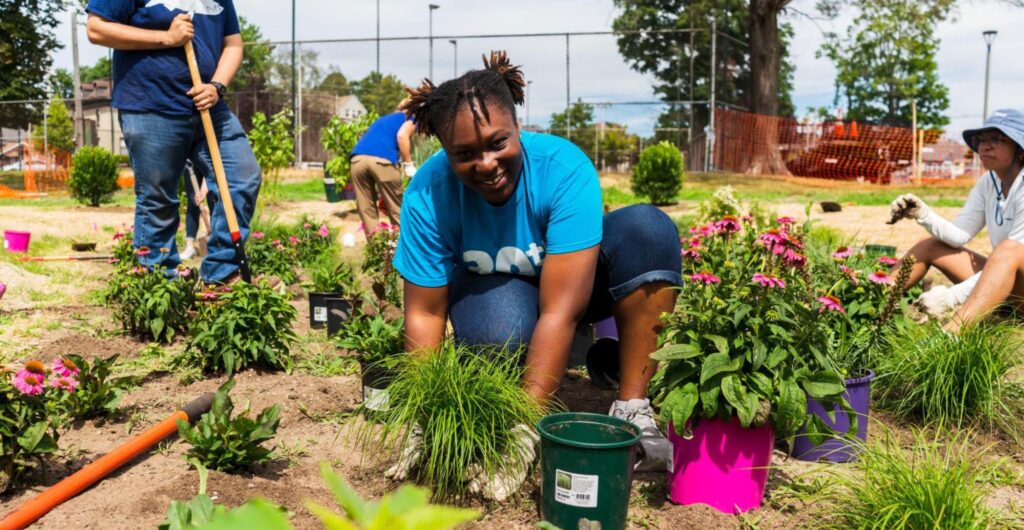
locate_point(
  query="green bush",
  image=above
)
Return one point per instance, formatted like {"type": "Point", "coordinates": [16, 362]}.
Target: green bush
{"type": "Point", "coordinates": [227, 443]}
{"type": "Point", "coordinates": [658, 174]}
{"type": "Point", "coordinates": [373, 339]}
{"type": "Point", "coordinates": [97, 393]}
{"type": "Point", "coordinates": [148, 305]}
{"type": "Point", "coordinates": [93, 176]}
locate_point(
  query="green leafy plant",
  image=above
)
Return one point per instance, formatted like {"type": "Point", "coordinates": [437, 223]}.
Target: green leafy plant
{"type": "Point", "coordinates": [423, 147]}
{"type": "Point", "coordinates": [378, 256]}
{"type": "Point", "coordinates": [962, 379]}
{"type": "Point", "coordinates": [315, 240]}
{"type": "Point", "coordinates": [244, 326]}
{"type": "Point", "coordinates": [746, 338]}
{"type": "Point", "coordinates": [273, 144]}
{"type": "Point", "coordinates": [934, 484]}
{"type": "Point", "coordinates": [97, 393]}
{"type": "Point", "coordinates": [407, 508]}
{"type": "Point", "coordinates": [374, 339]}
{"type": "Point", "coordinates": [149, 305]}
{"type": "Point", "coordinates": [467, 404]}
{"type": "Point", "coordinates": [330, 275]}
{"type": "Point", "coordinates": [227, 443]}
{"type": "Point", "coordinates": [658, 174]}
{"type": "Point", "coordinates": [271, 254]}
{"type": "Point", "coordinates": [29, 427]}
{"type": "Point", "coordinates": [339, 137]}
{"type": "Point", "coordinates": [93, 176]}
{"type": "Point", "coordinates": [195, 513]}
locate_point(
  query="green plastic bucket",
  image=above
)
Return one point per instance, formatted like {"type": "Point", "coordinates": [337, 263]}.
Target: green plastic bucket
{"type": "Point", "coordinates": [586, 463]}
{"type": "Point", "coordinates": [331, 190]}
{"type": "Point", "coordinates": [879, 250]}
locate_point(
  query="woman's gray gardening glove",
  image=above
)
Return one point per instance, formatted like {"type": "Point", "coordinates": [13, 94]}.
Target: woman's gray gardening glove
{"type": "Point", "coordinates": [412, 451]}
{"type": "Point", "coordinates": [507, 480]}
{"type": "Point", "coordinates": [909, 205]}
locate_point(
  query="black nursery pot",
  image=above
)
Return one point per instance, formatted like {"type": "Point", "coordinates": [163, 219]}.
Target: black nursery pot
{"type": "Point", "coordinates": [376, 379]}
{"type": "Point", "coordinates": [338, 312]}
{"type": "Point", "coordinates": [318, 308]}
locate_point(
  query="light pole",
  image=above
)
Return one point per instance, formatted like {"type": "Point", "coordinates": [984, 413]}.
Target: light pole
{"type": "Point", "coordinates": [378, 38]}
{"type": "Point", "coordinates": [455, 55]}
{"type": "Point", "coordinates": [528, 83]}
{"type": "Point", "coordinates": [989, 36]}
{"type": "Point", "coordinates": [431, 38]}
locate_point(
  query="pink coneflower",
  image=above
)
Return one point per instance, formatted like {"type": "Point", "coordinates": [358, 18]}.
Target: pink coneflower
{"type": "Point", "coordinates": [138, 269]}
{"type": "Point", "coordinates": [691, 253]}
{"type": "Point", "coordinates": [842, 253]}
{"type": "Point", "coordinates": [184, 272]}
{"type": "Point", "coordinates": [64, 367]}
{"type": "Point", "coordinates": [748, 218]}
{"type": "Point", "coordinates": [306, 225]}
{"type": "Point", "coordinates": [881, 277]}
{"type": "Point", "coordinates": [257, 235]}
{"type": "Point", "coordinates": [66, 384]}
{"type": "Point", "coordinates": [276, 242]}
{"type": "Point", "coordinates": [30, 380]}
{"type": "Point", "coordinates": [728, 223]}
{"type": "Point", "coordinates": [785, 220]}
{"type": "Point", "coordinates": [208, 296]}
{"type": "Point", "coordinates": [118, 235]}
{"type": "Point", "coordinates": [767, 280]}
{"type": "Point", "coordinates": [793, 258]}
{"type": "Point", "coordinates": [852, 273]}
{"type": "Point", "coordinates": [888, 261]}
{"type": "Point", "coordinates": [323, 232]}
{"type": "Point", "coordinates": [386, 226]}
{"type": "Point", "coordinates": [142, 251]}
{"type": "Point", "coordinates": [694, 242]}
{"type": "Point", "coordinates": [704, 277]}
{"type": "Point", "coordinates": [830, 303]}
{"type": "Point", "coordinates": [772, 237]}
{"type": "Point", "coordinates": [293, 240]}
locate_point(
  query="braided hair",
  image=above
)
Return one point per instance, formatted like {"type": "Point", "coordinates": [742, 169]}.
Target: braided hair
{"type": "Point", "coordinates": [433, 108]}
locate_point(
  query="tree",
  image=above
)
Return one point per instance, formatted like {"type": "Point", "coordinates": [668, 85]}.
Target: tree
{"type": "Point", "coordinates": [616, 145]}
{"type": "Point", "coordinates": [62, 84]}
{"type": "Point", "coordinates": [335, 83]}
{"type": "Point", "coordinates": [887, 60]}
{"type": "Point", "coordinates": [579, 127]}
{"type": "Point", "coordinates": [339, 137]}
{"type": "Point", "coordinates": [380, 93]}
{"type": "Point", "coordinates": [257, 60]}
{"type": "Point", "coordinates": [26, 47]}
{"type": "Point", "coordinates": [59, 130]}
{"type": "Point", "coordinates": [274, 147]}
{"type": "Point", "coordinates": [103, 69]}
{"type": "Point", "coordinates": [308, 62]}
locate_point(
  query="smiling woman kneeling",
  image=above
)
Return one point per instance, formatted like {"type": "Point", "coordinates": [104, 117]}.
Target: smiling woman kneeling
{"type": "Point", "coordinates": [503, 233]}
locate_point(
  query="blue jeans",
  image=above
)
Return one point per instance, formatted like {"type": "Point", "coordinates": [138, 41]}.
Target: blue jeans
{"type": "Point", "coordinates": [158, 145]}
{"type": "Point", "coordinates": [640, 245]}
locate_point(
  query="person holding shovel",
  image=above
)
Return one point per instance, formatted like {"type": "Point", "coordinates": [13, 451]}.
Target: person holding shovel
{"type": "Point", "coordinates": [503, 234]}
{"type": "Point", "coordinates": [158, 109]}
{"type": "Point", "coordinates": [996, 203]}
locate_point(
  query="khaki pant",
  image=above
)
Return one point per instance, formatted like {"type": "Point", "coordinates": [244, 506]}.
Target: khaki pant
{"type": "Point", "coordinates": [371, 176]}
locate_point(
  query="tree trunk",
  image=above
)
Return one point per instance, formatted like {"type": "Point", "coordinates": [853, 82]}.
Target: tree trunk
{"type": "Point", "coordinates": [765, 57]}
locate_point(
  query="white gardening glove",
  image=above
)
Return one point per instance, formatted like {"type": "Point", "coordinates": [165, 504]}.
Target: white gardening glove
{"type": "Point", "coordinates": [507, 480]}
{"type": "Point", "coordinates": [412, 451]}
{"type": "Point", "coordinates": [909, 205]}
{"type": "Point", "coordinates": [409, 168]}
{"type": "Point", "coordinates": [937, 301]}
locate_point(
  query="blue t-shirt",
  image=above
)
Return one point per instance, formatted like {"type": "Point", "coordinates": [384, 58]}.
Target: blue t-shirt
{"type": "Point", "coordinates": [381, 138]}
{"type": "Point", "coordinates": [157, 80]}
{"type": "Point", "coordinates": [556, 208]}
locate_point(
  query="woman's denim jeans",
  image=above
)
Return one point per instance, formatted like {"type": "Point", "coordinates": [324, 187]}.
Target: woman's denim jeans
{"type": "Point", "coordinates": [640, 245]}
{"type": "Point", "coordinates": [158, 145]}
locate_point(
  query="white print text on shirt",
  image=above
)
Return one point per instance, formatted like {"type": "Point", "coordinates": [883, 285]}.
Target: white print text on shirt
{"type": "Point", "coordinates": [525, 263]}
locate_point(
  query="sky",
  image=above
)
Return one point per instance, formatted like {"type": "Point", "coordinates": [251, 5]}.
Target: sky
{"type": "Point", "coordinates": [597, 71]}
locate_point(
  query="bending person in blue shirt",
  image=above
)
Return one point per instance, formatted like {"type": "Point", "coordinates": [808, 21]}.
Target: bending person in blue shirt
{"type": "Point", "coordinates": [503, 234]}
{"type": "Point", "coordinates": [158, 109]}
{"type": "Point", "coordinates": [375, 168]}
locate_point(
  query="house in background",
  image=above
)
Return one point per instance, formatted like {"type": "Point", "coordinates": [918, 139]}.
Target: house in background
{"type": "Point", "coordinates": [101, 126]}
{"type": "Point", "coordinates": [349, 108]}
{"type": "Point", "coordinates": [12, 146]}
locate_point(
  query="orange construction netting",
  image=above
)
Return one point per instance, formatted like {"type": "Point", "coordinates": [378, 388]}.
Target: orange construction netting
{"type": "Point", "coordinates": [831, 150]}
{"type": "Point", "coordinates": [44, 172]}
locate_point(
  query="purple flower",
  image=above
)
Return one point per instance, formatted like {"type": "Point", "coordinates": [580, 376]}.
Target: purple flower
{"type": "Point", "coordinates": [888, 261]}
{"type": "Point", "coordinates": [785, 220]}
{"type": "Point", "coordinates": [64, 367]}
{"type": "Point", "coordinates": [704, 277]}
{"type": "Point", "coordinates": [769, 281]}
{"type": "Point", "coordinates": [881, 277]}
{"type": "Point", "coordinates": [323, 232]}
{"type": "Point", "coordinates": [728, 223]}
{"type": "Point", "coordinates": [830, 303]}
{"type": "Point", "coordinates": [842, 253]}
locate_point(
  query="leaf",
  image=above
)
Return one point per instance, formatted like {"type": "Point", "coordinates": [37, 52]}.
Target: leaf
{"type": "Point", "coordinates": [438, 517]}
{"type": "Point", "coordinates": [672, 352]}
{"type": "Point", "coordinates": [792, 410]}
{"type": "Point", "coordinates": [30, 439]}
{"type": "Point", "coordinates": [347, 498]}
{"type": "Point", "coordinates": [679, 405]}
{"type": "Point", "coordinates": [736, 394]}
{"type": "Point", "coordinates": [718, 363]}
{"type": "Point", "coordinates": [256, 514]}
{"type": "Point", "coordinates": [720, 343]}
{"type": "Point", "coordinates": [824, 385]}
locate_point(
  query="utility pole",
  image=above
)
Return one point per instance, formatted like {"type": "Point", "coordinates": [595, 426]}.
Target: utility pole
{"type": "Point", "coordinates": [78, 77]}
{"type": "Point", "coordinates": [568, 115]}
{"type": "Point", "coordinates": [432, 7]}
{"type": "Point", "coordinates": [455, 54]}
{"type": "Point", "coordinates": [710, 136]}
{"type": "Point", "coordinates": [295, 130]}
{"type": "Point", "coordinates": [989, 36]}
{"type": "Point", "coordinates": [378, 37]}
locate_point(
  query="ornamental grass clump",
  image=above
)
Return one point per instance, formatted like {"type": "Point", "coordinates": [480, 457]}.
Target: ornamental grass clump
{"type": "Point", "coordinates": [466, 405]}
{"type": "Point", "coordinates": [962, 379]}
{"type": "Point", "coordinates": [933, 484]}
{"type": "Point", "coordinates": [225, 443]}
{"type": "Point", "coordinates": [245, 326]}
{"type": "Point", "coordinates": [747, 337]}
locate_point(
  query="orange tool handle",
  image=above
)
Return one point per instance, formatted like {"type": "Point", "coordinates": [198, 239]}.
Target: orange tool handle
{"type": "Point", "coordinates": [64, 490]}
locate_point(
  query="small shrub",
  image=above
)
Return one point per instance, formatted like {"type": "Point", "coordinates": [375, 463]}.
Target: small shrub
{"type": "Point", "coordinates": [227, 443]}
{"type": "Point", "coordinates": [466, 403]}
{"type": "Point", "coordinates": [246, 326]}
{"type": "Point", "coordinates": [377, 263]}
{"type": "Point", "coordinates": [93, 176]}
{"type": "Point", "coordinates": [149, 305]}
{"type": "Point", "coordinates": [374, 339]}
{"type": "Point", "coordinates": [29, 428]}
{"type": "Point", "coordinates": [329, 275]}
{"type": "Point", "coordinates": [409, 507]}
{"type": "Point", "coordinates": [931, 485]}
{"type": "Point", "coordinates": [962, 379]}
{"type": "Point", "coordinates": [658, 173]}
{"type": "Point", "coordinates": [315, 240]}
{"type": "Point", "coordinates": [97, 393]}
{"type": "Point", "coordinates": [271, 254]}
{"type": "Point", "coordinates": [339, 137]}
{"type": "Point", "coordinates": [273, 145]}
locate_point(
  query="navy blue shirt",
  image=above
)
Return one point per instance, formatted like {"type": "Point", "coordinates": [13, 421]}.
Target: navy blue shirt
{"type": "Point", "coordinates": [157, 80]}
{"type": "Point", "coordinates": [381, 139]}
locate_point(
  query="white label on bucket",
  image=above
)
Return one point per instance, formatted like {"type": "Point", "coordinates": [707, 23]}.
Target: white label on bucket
{"type": "Point", "coordinates": [375, 398]}
{"type": "Point", "coordinates": [576, 490]}
{"type": "Point", "coordinates": [319, 314]}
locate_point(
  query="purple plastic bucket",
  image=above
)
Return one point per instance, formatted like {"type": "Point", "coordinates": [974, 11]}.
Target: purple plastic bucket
{"type": "Point", "coordinates": [722, 465]}
{"type": "Point", "coordinates": [838, 449]}
{"type": "Point", "coordinates": [16, 241]}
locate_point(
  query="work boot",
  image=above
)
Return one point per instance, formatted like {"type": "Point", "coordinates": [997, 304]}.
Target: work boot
{"type": "Point", "coordinates": [190, 250]}
{"type": "Point", "coordinates": [655, 452]}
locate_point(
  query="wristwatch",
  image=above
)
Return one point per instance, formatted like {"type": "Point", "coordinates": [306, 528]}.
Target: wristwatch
{"type": "Point", "coordinates": [221, 89]}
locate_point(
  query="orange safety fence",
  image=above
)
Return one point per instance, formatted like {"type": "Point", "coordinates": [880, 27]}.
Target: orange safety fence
{"type": "Point", "coordinates": [832, 150]}
{"type": "Point", "coordinates": [44, 172]}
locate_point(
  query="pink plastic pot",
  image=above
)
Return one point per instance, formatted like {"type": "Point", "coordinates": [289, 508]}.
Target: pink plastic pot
{"type": "Point", "coordinates": [723, 465]}
{"type": "Point", "coordinates": [16, 241]}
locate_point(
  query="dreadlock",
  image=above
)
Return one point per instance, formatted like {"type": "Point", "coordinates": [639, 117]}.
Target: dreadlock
{"type": "Point", "coordinates": [434, 107]}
